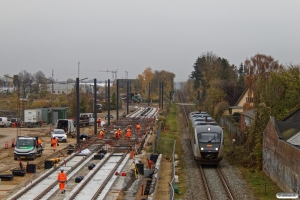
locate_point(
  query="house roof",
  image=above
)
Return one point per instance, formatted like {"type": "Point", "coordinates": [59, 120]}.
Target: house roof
{"type": "Point", "coordinates": [295, 140]}
{"type": "Point", "coordinates": [288, 129]}
{"type": "Point", "coordinates": [249, 113]}
{"type": "Point", "coordinates": [294, 116]}
{"type": "Point", "coordinates": [241, 97]}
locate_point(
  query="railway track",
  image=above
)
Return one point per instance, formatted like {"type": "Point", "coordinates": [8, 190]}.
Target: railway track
{"type": "Point", "coordinates": [211, 175]}
{"type": "Point", "coordinates": [96, 182]}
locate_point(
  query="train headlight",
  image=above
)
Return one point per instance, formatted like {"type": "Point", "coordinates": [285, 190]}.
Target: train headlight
{"type": "Point", "coordinates": [217, 149]}
{"type": "Point", "coordinates": [202, 148]}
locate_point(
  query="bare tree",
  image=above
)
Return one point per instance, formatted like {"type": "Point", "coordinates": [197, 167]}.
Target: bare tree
{"type": "Point", "coordinates": [40, 77]}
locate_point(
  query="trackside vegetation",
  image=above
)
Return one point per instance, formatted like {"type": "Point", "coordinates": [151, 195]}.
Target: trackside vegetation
{"type": "Point", "coordinates": [257, 180]}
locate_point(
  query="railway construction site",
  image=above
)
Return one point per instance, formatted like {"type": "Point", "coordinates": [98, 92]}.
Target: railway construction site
{"type": "Point", "coordinates": [106, 168]}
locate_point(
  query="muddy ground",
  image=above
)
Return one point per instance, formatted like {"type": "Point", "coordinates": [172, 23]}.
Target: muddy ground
{"type": "Point", "coordinates": [7, 162]}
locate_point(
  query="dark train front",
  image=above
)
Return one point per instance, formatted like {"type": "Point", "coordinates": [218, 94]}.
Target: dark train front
{"type": "Point", "coordinates": [207, 141]}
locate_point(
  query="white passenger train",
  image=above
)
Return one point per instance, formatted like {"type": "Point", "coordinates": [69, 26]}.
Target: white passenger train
{"type": "Point", "coordinates": [207, 138]}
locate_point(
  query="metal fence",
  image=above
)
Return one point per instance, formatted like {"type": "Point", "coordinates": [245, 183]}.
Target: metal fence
{"type": "Point", "coordinates": [229, 125]}
{"type": "Point", "coordinates": [233, 129]}
{"type": "Point", "coordinates": [172, 184]}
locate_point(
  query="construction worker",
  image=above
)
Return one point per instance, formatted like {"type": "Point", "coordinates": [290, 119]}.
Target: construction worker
{"type": "Point", "coordinates": [62, 179]}
{"type": "Point", "coordinates": [101, 134]}
{"type": "Point", "coordinates": [99, 122]}
{"type": "Point", "coordinates": [119, 133]}
{"type": "Point", "coordinates": [129, 128]}
{"type": "Point", "coordinates": [115, 134]}
{"type": "Point", "coordinates": [128, 134]}
{"type": "Point", "coordinates": [54, 142]}
{"type": "Point", "coordinates": [138, 127]}
{"type": "Point", "coordinates": [39, 142]}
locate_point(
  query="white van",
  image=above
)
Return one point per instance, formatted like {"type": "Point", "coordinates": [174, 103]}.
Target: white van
{"type": "Point", "coordinates": [4, 122]}
{"type": "Point", "coordinates": [67, 125]}
{"type": "Point", "coordinates": [90, 116]}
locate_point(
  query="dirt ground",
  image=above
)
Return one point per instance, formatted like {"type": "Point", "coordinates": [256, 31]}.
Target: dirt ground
{"type": "Point", "coordinates": [7, 162]}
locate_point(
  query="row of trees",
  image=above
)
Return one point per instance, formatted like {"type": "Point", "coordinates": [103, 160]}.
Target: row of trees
{"type": "Point", "coordinates": [219, 83]}
{"type": "Point", "coordinates": [275, 90]}
{"type": "Point", "coordinates": [40, 95]}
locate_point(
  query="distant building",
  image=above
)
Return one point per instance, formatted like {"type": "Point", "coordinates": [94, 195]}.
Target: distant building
{"type": "Point", "coordinates": [61, 88]}
{"type": "Point", "coordinates": [66, 88]}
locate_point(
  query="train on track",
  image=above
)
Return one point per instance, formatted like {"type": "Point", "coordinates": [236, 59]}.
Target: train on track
{"type": "Point", "coordinates": [207, 138]}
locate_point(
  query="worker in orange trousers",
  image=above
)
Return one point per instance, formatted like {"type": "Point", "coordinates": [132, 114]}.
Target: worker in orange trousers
{"type": "Point", "coordinates": [101, 134]}
{"type": "Point", "coordinates": [128, 134]}
{"type": "Point", "coordinates": [62, 179]}
{"type": "Point", "coordinates": [138, 127]}
{"type": "Point", "coordinates": [54, 142]}
{"type": "Point", "coordinates": [99, 122]}
{"type": "Point", "coordinates": [119, 133]}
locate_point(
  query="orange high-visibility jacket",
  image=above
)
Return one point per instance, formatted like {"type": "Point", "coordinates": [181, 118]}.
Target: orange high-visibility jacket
{"type": "Point", "coordinates": [101, 133]}
{"type": "Point", "coordinates": [128, 134]}
{"type": "Point", "coordinates": [62, 177]}
{"type": "Point", "coordinates": [119, 133]}
{"type": "Point", "coordinates": [54, 141]}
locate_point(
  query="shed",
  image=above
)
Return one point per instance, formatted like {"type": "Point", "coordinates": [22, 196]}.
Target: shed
{"type": "Point", "coordinates": [45, 115]}
{"type": "Point", "coordinates": [59, 113]}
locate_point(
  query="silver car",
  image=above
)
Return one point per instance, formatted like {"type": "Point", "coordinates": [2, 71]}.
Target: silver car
{"type": "Point", "coordinates": [59, 134]}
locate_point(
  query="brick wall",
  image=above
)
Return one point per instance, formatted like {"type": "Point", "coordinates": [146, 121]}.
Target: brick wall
{"type": "Point", "coordinates": [281, 160]}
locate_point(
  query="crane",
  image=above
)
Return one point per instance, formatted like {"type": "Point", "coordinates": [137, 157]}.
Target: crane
{"type": "Point", "coordinates": [114, 73]}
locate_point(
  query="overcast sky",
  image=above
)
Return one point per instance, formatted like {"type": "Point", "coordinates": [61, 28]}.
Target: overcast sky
{"type": "Point", "coordinates": [133, 35]}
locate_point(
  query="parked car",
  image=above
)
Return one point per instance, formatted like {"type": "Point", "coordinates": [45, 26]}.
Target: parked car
{"type": "Point", "coordinates": [4, 122]}
{"type": "Point", "coordinates": [60, 134]}
{"type": "Point", "coordinates": [111, 117]}
{"type": "Point", "coordinates": [10, 123]}
{"type": "Point", "coordinates": [99, 108]}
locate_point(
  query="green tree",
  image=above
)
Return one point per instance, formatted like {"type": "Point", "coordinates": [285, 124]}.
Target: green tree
{"type": "Point", "coordinates": [113, 101]}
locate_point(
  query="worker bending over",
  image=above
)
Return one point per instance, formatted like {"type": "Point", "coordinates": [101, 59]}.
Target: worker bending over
{"type": "Point", "coordinates": [62, 179]}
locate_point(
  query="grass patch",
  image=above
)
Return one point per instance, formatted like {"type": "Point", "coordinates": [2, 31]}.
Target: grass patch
{"type": "Point", "coordinates": [166, 143]}
{"type": "Point", "coordinates": [262, 186]}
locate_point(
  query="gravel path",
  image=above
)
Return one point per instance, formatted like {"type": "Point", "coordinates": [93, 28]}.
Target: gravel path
{"type": "Point", "coordinates": [214, 183]}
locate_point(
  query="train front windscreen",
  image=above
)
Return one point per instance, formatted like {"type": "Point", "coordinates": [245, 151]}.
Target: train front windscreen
{"type": "Point", "coordinates": [209, 137]}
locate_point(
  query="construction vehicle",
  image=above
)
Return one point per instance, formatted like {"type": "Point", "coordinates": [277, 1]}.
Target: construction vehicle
{"type": "Point", "coordinates": [67, 125]}
{"type": "Point", "coordinates": [28, 148]}
{"type": "Point", "coordinates": [90, 116]}
{"type": "Point", "coordinates": [83, 121]}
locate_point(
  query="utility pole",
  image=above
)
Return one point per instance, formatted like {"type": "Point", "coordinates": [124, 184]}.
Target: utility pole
{"type": "Point", "coordinates": [78, 69]}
